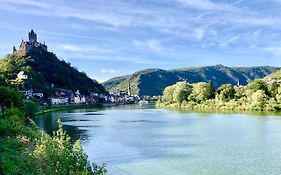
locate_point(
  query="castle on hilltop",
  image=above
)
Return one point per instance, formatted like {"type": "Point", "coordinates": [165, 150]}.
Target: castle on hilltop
{"type": "Point", "coordinates": [26, 46]}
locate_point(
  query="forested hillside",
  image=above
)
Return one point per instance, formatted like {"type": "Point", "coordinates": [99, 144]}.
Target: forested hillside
{"type": "Point", "coordinates": [153, 81]}
{"type": "Point", "coordinates": [45, 70]}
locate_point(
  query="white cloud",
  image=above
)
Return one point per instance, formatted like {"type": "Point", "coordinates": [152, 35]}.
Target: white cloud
{"type": "Point", "coordinates": [108, 71]}
{"type": "Point", "coordinates": [206, 5]}
{"type": "Point", "coordinates": [151, 44]}
{"type": "Point", "coordinates": [230, 40]}
{"type": "Point", "coordinates": [32, 3]}
{"type": "Point", "coordinates": [68, 47]}
{"type": "Point", "coordinates": [89, 49]}
{"type": "Point", "coordinates": [154, 45]}
{"type": "Point", "coordinates": [210, 25]}
{"type": "Point", "coordinates": [274, 50]}
{"type": "Point", "coordinates": [199, 33]}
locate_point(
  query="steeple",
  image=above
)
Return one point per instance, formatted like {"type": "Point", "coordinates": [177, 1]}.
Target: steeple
{"type": "Point", "coordinates": [129, 89]}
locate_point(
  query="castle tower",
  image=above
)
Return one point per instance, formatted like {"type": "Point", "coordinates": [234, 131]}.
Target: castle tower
{"type": "Point", "coordinates": [32, 37]}
{"type": "Point", "coordinates": [14, 50]}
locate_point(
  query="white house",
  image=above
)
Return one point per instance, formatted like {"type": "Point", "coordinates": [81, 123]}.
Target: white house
{"type": "Point", "coordinates": [59, 100]}
{"type": "Point", "coordinates": [22, 76]}
{"type": "Point", "coordinates": [27, 93]}
{"type": "Point", "coordinates": [38, 94]}
{"type": "Point", "coordinates": [79, 99]}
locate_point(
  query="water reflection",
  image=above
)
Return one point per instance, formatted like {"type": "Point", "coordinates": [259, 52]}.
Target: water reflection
{"type": "Point", "coordinates": [141, 140]}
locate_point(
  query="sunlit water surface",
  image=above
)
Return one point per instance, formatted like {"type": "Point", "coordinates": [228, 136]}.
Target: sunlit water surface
{"type": "Point", "coordinates": [142, 140]}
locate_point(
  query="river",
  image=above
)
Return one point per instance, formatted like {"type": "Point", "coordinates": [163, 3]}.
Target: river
{"type": "Point", "coordinates": [142, 140]}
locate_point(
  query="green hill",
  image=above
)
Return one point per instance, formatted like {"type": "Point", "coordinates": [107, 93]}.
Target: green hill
{"type": "Point", "coordinates": [153, 81]}
{"type": "Point", "coordinates": [274, 76]}
{"type": "Point", "coordinates": [46, 71]}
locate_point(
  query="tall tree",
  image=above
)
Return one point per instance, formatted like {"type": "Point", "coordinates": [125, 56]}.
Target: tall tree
{"type": "Point", "coordinates": [201, 92]}
{"type": "Point", "coordinates": [9, 98]}
{"type": "Point", "coordinates": [225, 92]}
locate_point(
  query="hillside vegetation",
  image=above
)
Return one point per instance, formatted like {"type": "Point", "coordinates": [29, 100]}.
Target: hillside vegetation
{"type": "Point", "coordinates": [259, 95]}
{"type": "Point", "coordinates": [25, 149]}
{"type": "Point", "coordinates": [45, 70]}
{"type": "Point", "coordinates": [153, 81]}
{"type": "Point", "coordinates": [274, 76]}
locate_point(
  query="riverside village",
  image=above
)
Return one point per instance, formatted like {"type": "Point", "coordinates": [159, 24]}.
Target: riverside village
{"type": "Point", "coordinates": [60, 96]}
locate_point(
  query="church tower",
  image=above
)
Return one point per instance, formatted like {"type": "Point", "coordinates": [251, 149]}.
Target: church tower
{"type": "Point", "coordinates": [129, 89]}
{"type": "Point", "coordinates": [32, 37]}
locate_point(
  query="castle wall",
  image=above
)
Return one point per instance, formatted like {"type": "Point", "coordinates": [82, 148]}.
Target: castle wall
{"type": "Point", "coordinates": [26, 46]}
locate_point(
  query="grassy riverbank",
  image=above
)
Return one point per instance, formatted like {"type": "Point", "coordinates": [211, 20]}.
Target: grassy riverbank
{"type": "Point", "coordinates": [43, 110]}
{"type": "Point", "coordinates": [257, 96]}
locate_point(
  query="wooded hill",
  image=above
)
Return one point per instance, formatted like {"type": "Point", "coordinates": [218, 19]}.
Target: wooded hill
{"type": "Point", "coordinates": [45, 71]}
{"type": "Point", "coordinates": [153, 81]}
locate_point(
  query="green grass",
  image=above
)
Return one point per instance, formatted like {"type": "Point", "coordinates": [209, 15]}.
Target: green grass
{"type": "Point", "coordinates": [43, 110]}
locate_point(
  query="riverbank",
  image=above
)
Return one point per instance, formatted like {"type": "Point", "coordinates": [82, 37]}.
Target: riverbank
{"type": "Point", "coordinates": [205, 110]}
{"type": "Point", "coordinates": [43, 110]}
{"type": "Point", "coordinates": [256, 96]}
{"type": "Point", "coordinates": [231, 106]}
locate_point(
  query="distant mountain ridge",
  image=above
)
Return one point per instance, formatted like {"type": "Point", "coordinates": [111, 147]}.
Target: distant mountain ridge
{"type": "Point", "coordinates": [45, 70]}
{"type": "Point", "coordinates": [153, 81]}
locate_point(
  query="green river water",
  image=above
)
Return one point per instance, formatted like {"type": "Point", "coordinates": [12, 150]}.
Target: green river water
{"type": "Point", "coordinates": [142, 140]}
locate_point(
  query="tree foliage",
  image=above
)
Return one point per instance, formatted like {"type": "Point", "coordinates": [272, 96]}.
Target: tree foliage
{"type": "Point", "coordinates": [24, 149]}
{"type": "Point", "coordinates": [9, 98]}
{"type": "Point", "coordinates": [44, 69]}
{"type": "Point", "coordinates": [62, 157]}
{"type": "Point", "coordinates": [152, 82]}
{"type": "Point", "coordinates": [201, 92]}
{"type": "Point", "coordinates": [30, 108]}
{"type": "Point", "coordinates": [225, 92]}
{"type": "Point", "coordinates": [257, 95]}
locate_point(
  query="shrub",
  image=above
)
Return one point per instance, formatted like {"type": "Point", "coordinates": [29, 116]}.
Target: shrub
{"type": "Point", "coordinates": [58, 156]}
{"type": "Point", "coordinates": [30, 108]}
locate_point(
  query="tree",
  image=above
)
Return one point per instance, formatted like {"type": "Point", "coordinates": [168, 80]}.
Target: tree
{"type": "Point", "coordinates": [273, 89]}
{"type": "Point", "coordinates": [181, 91]}
{"type": "Point", "coordinates": [9, 98]}
{"type": "Point", "coordinates": [225, 92]}
{"type": "Point", "coordinates": [239, 93]}
{"type": "Point", "coordinates": [30, 108]}
{"type": "Point", "coordinates": [259, 100]}
{"type": "Point", "coordinates": [201, 92]}
{"type": "Point", "coordinates": [3, 81]}
{"type": "Point", "coordinates": [168, 94]}
{"type": "Point", "coordinates": [258, 85]}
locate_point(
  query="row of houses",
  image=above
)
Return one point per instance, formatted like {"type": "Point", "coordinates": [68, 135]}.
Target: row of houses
{"type": "Point", "coordinates": [120, 98]}
{"type": "Point", "coordinates": [29, 93]}
{"type": "Point", "coordinates": [77, 98]}
{"type": "Point", "coordinates": [64, 97]}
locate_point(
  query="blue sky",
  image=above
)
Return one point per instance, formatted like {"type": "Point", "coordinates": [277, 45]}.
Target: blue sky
{"type": "Point", "coordinates": [107, 38]}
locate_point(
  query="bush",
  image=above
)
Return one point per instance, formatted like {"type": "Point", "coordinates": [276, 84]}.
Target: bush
{"type": "Point", "coordinates": [30, 109]}
{"type": "Point", "coordinates": [58, 156]}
